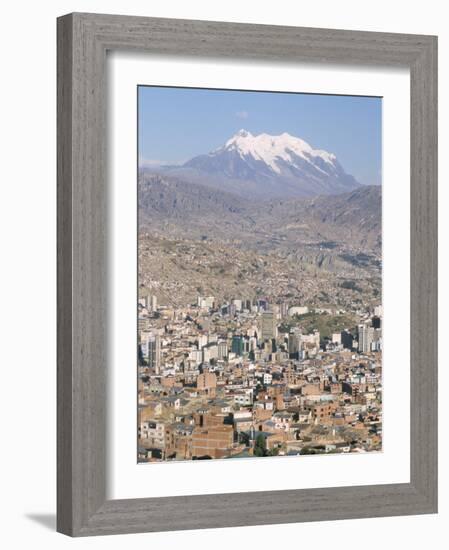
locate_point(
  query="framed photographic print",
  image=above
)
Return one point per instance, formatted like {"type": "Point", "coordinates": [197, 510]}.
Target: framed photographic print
{"type": "Point", "coordinates": [247, 284]}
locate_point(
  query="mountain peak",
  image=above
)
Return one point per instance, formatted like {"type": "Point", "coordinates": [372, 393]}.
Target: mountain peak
{"type": "Point", "coordinates": [271, 165]}
{"type": "Point", "coordinates": [274, 150]}
{"type": "Point", "coordinates": [243, 133]}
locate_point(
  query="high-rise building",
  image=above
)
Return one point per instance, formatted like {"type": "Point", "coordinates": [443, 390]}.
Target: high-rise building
{"type": "Point", "coordinates": [210, 352]}
{"type": "Point", "coordinates": [376, 322]}
{"type": "Point", "coordinates": [237, 345]}
{"type": "Point", "coordinates": [365, 336]}
{"type": "Point", "coordinates": [294, 344]}
{"type": "Point", "coordinates": [252, 343]}
{"type": "Point", "coordinates": [347, 339]}
{"type": "Point", "coordinates": [222, 350]}
{"type": "Point", "coordinates": [376, 344]}
{"type": "Point", "coordinates": [151, 302]}
{"type": "Point", "coordinates": [202, 341]}
{"type": "Point", "coordinates": [268, 327]}
{"type": "Point", "coordinates": [151, 350]}
{"type": "Point", "coordinates": [196, 356]}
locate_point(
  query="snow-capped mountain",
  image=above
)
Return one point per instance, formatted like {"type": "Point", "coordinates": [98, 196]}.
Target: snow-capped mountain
{"type": "Point", "coordinates": [266, 166]}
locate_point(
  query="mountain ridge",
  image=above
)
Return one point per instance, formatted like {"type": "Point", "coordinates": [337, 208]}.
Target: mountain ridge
{"type": "Point", "coordinates": [266, 166]}
{"type": "Point", "coordinates": [167, 203]}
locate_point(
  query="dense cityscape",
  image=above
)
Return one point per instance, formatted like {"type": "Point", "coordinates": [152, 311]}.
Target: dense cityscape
{"type": "Point", "coordinates": [259, 290]}
{"type": "Point", "coordinates": [248, 377]}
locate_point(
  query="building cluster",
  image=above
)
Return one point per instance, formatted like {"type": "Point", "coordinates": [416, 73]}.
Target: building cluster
{"type": "Point", "coordinates": [225, 380]}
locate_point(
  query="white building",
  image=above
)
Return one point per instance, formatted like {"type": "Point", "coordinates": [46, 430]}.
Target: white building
{"type": "Point", "coordinates": [237, 304]}
{"type": "Point", "coordinates": [267, 378]}
{"type": "Point", "coordinates": [336, 338]}
{"type": "Point", "coordinates": [298, 310]}
{"type": "Point", "coordinates": [378, 311]}
{"type": "Point", "coordinates": [206, 302]}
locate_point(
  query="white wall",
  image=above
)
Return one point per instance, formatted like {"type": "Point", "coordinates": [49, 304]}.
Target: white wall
{"type": "Point", "coordinates": [27, 299]}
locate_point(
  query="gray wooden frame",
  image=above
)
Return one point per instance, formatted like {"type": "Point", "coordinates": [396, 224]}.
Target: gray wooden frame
{"type": "Point", "coordinates": [83, 40]}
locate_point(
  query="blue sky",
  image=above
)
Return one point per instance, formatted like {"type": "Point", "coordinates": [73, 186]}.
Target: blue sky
{"type": "Point", "coordinates": [176, 124]}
